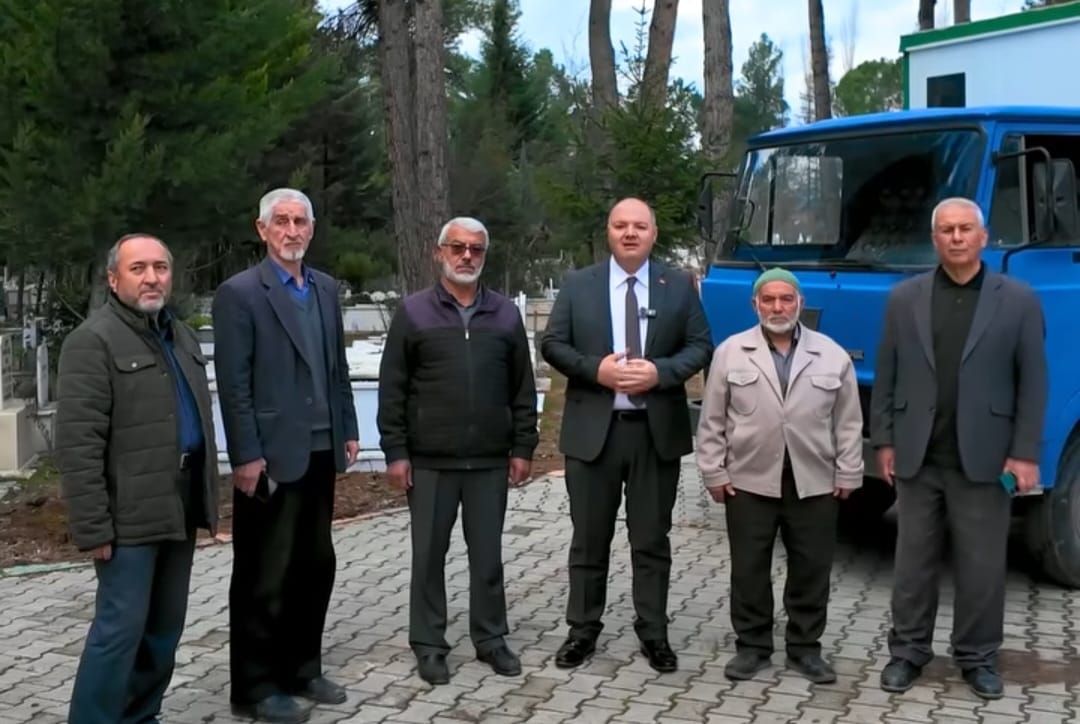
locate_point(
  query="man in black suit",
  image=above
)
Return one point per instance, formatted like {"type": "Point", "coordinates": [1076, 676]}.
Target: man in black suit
{"type": "Point", "coordinates": [627, 333]}
{"type": "Point", "coordinates": [958, 401]}
{"type": "Point", "coordinates": [287, 408]}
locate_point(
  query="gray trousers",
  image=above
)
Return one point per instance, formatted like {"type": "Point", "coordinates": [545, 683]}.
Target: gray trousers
{"type": "Point", "coordinates": [935, 505]}
{"type": "Point", "coordinates": [433, 504]}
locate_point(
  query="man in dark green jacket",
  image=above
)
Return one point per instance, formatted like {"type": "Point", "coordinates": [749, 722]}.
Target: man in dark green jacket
{"type": "Point", "coordinates": [135, 446]}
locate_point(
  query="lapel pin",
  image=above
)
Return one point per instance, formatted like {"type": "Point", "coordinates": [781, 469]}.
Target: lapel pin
{"type": "Point", "coordinates": [662, 280]}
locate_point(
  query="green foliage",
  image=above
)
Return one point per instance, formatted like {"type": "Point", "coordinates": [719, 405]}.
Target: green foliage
{"type": "Point", "coordinates": [143, 114]}
{"type": "Point", "coordinates": [759, 93]}
{"type": "Point", "coordinates": [871, 86]}
{"type": "Point", "coordinates": [362, 259]}
{"type": "Point", "coordinates": [646, 152]}
{"type": "Point", "coordinates": [198, 321]}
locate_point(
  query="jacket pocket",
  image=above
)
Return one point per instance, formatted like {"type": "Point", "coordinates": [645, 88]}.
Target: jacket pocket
{"type": "Point", "coordinates": [1003, 408]}
{"type": "Point", "coordinates": [824, 389]}
{"type": "Point", "coordinates": [742, 390]}
{"type": "Point", "coordinates": [134, 363]}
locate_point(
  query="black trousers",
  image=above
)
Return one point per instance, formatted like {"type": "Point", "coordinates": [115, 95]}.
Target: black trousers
{"type": "Point", "coordinates": [433, 505]}
{"type": "Point", "coordinates": [939, 504]}
{"type": "Point", "coordinates": [283, 573]}
{"type": "Point", "coordinates": [595, 490]}
{"type": "Point", "coordinates": [808, 530]}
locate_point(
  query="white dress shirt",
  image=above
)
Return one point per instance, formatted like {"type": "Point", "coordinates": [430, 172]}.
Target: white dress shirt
{"type": "Point", "coordinates": [617, 280]}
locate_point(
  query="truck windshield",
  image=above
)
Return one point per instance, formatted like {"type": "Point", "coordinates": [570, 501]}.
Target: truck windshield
{"type": "Point", "coordinates": [850, 201]}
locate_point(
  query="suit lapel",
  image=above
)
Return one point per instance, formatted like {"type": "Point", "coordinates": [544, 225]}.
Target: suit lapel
{"type": "Point", "coordinates": [284, 310]}
{"type": "Point", "coordinates": [985, 309]}
{"type": "Point", "coordinates": [923, 326]}
{"type": "Point", "coordinates": [602, 301]}
{"type": "Point", "coordinates": [657, 294]}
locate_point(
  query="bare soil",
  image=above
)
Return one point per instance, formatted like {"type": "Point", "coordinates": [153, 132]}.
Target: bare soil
{"type": "Point", "coordinates": [33, 518]}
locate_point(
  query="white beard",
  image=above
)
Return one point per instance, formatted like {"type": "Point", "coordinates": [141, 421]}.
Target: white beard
{"type": "Point", "coordinates": [459, 278]}
{"type": "Point", "coordinates": [780, 327]}
{"type": "Point", "coordinates": [296, 255]}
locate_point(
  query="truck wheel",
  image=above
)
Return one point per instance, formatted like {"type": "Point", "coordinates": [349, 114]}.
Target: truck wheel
{"type": "Point", "coordinates": [1052, 525]}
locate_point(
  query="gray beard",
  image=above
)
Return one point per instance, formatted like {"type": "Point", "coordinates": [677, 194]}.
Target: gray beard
{"type": "Point", "coordinates": [456, 278]}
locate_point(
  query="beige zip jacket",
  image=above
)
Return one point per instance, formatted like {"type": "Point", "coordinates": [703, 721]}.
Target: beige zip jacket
{"type": "Point", "coordinates": [746, 422]}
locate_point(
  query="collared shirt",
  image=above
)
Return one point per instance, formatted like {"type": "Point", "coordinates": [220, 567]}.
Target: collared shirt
{"type": "Point", "coordinates": [951, 314]}
{"type": "Point", "coordinates": [617, 280]}
{"type": "Point", "coordinates": [783, 361]}
{"type": "Point", "coordinates": [289, 281]}
{"type": "Point", "coordinates": [190, 424]}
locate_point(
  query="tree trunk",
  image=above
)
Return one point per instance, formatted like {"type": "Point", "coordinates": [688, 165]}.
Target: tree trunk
{"type": "Point", "coordinates": [961, 11]}
{"type": "Point", "coordinates": [719, 106]}
{"type": "Point", "coordinates": [658, 59]}
{"type": "Point", "coordinates": [926, 14]}
{"type": "Point", "coordinates": [719, 95]}
{"type": "Point", "coordinates": [605, 96]}
{"type": "Point", "coordinates": [819, 62]}
{"type": "Point", "coordinates": [602, 56]}
{"type": "Point", "coordinates": [431, 146]}
{"type": "Point", "coordinates": [396, 75]}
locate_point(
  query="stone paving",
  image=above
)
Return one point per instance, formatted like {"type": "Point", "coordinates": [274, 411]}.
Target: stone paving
{"type": "Point", "coordinates": [43, 619]}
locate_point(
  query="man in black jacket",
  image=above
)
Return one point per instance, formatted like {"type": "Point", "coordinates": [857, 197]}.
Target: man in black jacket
{"type": "Point", "coordinates": [135, 446]}
{"type": "Point", "coordinates": [457, 419]}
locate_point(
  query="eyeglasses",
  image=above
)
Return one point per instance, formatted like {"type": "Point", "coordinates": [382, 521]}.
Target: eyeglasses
{"type": "Point", "coordinates": [458, 249]}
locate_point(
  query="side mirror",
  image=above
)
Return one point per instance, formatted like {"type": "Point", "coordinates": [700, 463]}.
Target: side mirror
{"type": "Point", "coordinates": [1054, 191]}
{"type": "Point", "coordinates": [710, 198]}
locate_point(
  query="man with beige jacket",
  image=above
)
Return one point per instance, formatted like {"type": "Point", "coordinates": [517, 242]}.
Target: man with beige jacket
{"type": "Point", "coordinates": [780, 440]}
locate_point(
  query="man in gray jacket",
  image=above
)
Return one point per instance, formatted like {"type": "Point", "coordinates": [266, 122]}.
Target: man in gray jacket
{"type": "Point", "coordinates": [958, 401]}
{"type": "Point", "coordinates": [135, 446]}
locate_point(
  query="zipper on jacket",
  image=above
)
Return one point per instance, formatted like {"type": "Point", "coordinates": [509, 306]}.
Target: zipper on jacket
{"type": "Point", "coordinates": [472, 394]}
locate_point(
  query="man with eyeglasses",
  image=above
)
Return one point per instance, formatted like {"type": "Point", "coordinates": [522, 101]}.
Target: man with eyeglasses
{"type": "Point", "coordinates": [457, 420]}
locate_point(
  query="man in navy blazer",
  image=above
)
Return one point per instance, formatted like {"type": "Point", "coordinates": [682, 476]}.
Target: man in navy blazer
{"type": "Point", "coordinates": [287, 408]}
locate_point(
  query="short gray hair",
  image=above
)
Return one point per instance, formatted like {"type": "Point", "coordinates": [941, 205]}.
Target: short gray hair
{"type": "Point", "coordinates": [467, 223]}
{"type": "Point", "coordinates": [957, 201]}
{"type": "Point", "coordinates": [112, 261]}
{"type": "Point", "coordinates": [275, 197]}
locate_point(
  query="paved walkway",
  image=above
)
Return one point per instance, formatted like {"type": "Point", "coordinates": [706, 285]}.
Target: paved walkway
{"type": "Point", "coordinates": [43, 620]}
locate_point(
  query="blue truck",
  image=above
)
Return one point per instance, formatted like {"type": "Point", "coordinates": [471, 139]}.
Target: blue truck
{"type": "Point", "coordinates": [846, 204]}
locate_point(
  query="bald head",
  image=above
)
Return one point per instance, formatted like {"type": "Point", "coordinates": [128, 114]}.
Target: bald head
{"type": "Point", "coordinates": [631, 232]}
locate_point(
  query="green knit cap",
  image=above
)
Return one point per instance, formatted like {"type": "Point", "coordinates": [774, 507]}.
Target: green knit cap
{"type": "Point", "coordinates": [776, 274]}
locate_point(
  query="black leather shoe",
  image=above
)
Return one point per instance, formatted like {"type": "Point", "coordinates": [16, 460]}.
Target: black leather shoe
{"type": "Point", "coordinates": [276, 708]}
{"type": "Point", "coordinates": [660, 655]}
{"type": "Point", "coordinates": [812, 667]}
{"type": "Point", "coordinates": [574, 652]}
{"type": "Point", "coordinates": [432, 669]}
{"type": "Point", "coordinates": [501, 660]}
{"type": "Point", "coordinates": [745, 664]}
{"type": "Point", "coordinates": [899, 675]}
{"type": "Point", "coordinates": [323, 691]}
{"type": "Point", "coordinates": [985, 682]}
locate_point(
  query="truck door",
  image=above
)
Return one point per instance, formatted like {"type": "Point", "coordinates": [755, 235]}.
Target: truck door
{"type": "Point", "coordinates": [1035, 236]}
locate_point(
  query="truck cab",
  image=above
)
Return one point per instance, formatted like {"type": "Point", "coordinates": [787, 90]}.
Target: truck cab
{"type": "Point", "coordinates": [845, 204]}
